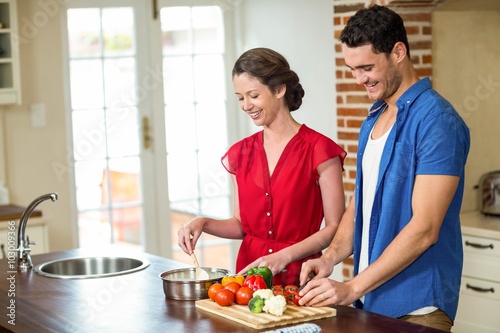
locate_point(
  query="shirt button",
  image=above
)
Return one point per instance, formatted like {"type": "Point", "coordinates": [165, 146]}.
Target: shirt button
{"type": "Point", "coordinates": [270, 232]}
{"type": "Point", "coordinates": [268, 214]}
{"type": "Point", "coordinates": [270, 250]}
{"type": "Point", "coordinates": [267, 194]}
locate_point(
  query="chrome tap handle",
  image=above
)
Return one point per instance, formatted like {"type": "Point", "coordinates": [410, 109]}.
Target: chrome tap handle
{"type": "Point", "coordinates": [23, 242]}
{"type": "Point", "coordinates": [28, 242]}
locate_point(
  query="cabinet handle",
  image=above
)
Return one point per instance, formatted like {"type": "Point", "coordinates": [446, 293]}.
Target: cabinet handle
{"type": "Point", "coordinates": [479, 246]}
{"type": "Point", "coordinates": [481, 290]}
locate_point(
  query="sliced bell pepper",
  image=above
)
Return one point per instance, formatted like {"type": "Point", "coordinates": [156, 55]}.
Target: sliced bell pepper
{"type": "Point", "coordinates": [233, 278]}
{"type": "Point", "coordinates": [264, 272]}
{"type": "Point", "coordinates": [255, 282]}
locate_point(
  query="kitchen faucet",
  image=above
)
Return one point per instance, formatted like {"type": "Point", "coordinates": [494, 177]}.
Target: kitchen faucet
{"type": "Point", "coordinates": [23, 241]}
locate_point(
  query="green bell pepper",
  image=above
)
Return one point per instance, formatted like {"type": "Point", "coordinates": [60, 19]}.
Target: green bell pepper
{"type": "Point", "coordinates": [263, 271]}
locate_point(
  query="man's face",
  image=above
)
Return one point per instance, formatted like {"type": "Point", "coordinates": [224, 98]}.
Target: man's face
{"type": "Point", "coordinates": [377, 72]}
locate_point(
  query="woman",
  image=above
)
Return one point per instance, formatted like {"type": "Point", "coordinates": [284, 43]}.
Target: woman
{"type": "Point", "coordinates": [286, 178]}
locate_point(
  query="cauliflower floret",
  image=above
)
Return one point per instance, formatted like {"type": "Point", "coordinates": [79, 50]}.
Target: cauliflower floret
{"type": "Point", "coordinates": [263, 293]}
{"type": "Point", "coordinates": [276, 305]}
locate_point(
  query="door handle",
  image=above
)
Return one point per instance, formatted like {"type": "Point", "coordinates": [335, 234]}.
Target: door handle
{"type": "Point", "coordinates": [147, 138]}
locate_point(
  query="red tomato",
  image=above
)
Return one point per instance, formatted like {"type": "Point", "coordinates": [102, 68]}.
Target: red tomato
{"type": "Point", "coordinates": [232, 286]}
{"type": "Point", "coordinates": [289, 291]}
{"type": "Point", "coordinates": [295, 298]}
{"type": "Point", "coordinates": [244, 295]}
{"type": "Point", "coordinates": [277, 287]}
{"type": "Point", "coordinates": [224, 297]}
{"type": "Point", "coordinates": [277, 290]}
{"type": "Point", "coordinates": [213, 290]}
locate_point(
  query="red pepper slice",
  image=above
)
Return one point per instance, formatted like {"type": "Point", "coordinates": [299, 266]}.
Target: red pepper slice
{"type": "Point", "coordinates": [255, 282]}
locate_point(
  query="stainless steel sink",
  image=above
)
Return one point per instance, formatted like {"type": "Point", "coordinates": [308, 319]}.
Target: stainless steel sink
{"type": "Point", "coordinates": [90, 267]}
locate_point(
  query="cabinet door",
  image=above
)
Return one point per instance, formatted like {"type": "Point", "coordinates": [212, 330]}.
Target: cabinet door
{"type": "Point", "coordinates": [4, 233]}
{"type": "Point", "coordinates": [478, 307]}
{"type": "Point", "coordinates": [36, 233]}
{"type": "Point", "coordinates": [481, 258]}
{"type": "Point", "coordinates": [10, 92]}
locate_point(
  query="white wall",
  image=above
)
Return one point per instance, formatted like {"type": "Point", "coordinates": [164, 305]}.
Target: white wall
{"type": "Point", "coordinates": [302, 31]}
{"type": "Point", "coordinates": [32, 156]}
{"type": "Point", "coordinates": [470, 80]}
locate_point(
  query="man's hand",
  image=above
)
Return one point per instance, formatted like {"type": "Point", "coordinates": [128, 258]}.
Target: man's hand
{"type": "Point", "coordinates": [324, 291]}
{"type": "Point", "coordinates": [315, 269]}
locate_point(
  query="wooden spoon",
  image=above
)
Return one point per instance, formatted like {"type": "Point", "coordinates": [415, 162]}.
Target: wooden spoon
{"type": "Point", "coordinates": [201, 274]}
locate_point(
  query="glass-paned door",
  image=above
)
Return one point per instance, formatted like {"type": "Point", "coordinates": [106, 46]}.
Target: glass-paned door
{"type": "Point", "coordinates": [193, 48]}
{"type": "Point", "coordinates": [106, 138]}
{"type": "Point", "coordinates": [117, 57]}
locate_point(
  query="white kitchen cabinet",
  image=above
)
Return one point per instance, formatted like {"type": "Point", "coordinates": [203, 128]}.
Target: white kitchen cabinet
{"type": "Point", "coordinates": [10, 78]}
{"type": "Point", "coordinates": [479, 304]}
{"type": "Point", "coordinates": [37, 232]}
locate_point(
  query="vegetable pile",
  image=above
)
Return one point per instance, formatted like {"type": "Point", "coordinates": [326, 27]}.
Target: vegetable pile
{"type": "Point", "coordinates": [256, 291]}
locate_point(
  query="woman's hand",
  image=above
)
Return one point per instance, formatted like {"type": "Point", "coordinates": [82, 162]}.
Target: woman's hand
{"type": "Point", "coordinates": [276, 262]}
{"type": "Point", "coordinates": [189, 233]}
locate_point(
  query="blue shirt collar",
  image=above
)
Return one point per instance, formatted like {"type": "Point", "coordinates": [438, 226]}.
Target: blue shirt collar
{"type": "Point", "coordinates": [406, 99]}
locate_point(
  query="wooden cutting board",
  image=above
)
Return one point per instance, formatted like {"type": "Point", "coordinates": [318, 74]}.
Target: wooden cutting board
{"type": "Point", "coordinates": [241, 314]}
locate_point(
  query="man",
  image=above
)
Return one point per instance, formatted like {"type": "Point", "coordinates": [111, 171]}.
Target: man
{"type": "Point", "coordinates": [402, 224]}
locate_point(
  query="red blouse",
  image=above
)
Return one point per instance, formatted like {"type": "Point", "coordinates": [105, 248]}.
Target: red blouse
{"type": "Point", "coordinates": [284, 208]}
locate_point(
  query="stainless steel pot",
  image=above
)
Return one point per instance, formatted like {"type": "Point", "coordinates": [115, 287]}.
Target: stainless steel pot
{"type": "Point", "coordinates": [181, 284]}
{"type": "Point", "coordinates": [490, 193]}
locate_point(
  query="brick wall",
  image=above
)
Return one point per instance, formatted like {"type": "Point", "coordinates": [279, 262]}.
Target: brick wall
{"type": "Point", "coordinates": [352, 101]}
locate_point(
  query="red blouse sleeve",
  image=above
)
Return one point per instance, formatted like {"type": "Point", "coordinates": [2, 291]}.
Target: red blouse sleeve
{"type": "Point", "coordinates": [326, 149]}
{"type": "Point", "coordinates": [229, 160]}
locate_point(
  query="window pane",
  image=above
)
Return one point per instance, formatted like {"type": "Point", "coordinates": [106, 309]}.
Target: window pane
{"type": "Point", "coordinates": [106, 125]}
{"type": "Point", "coordinates": [117, 29]}
{"type": "Point", "coordinates": [209, 78]}
{"type": "Point", "coordinates": [182, 176]}
{"type": "Point", "coordinates": [127, 224]}
{"type": "Point", "coordinates": [119, 82]}
{"type": "Point", "coordinates": [216, 207]}
{"type": "Point", "coordinates": [94, 229]}
{"type": "Point", "coordinates": [180, 128]}
{"type": "Point", "coordinates": [211, 125]}
{"type": "Point", "coordinates": [123, 128]}
{"type": "Point", "coordinates": [86, 84]}
{"type": "Point", "coordinates": [208, 30]}
{"type": "Point", "coordinates": [124, 180]}
{"type": "Point", "coordinates": [185, 206]}
{"type": "Point", "coordinates": [84, 32]}
{"type": "Point", "coordinates": [89, 134]}
{"type": "Point", "coordinates": [214, 179]}
{"type": "Point", "coordinates": [176, 30]}
{"type": "Point", "coordinates": [178, 76]}
{"type": "Point", "coordinates": [90, 184]}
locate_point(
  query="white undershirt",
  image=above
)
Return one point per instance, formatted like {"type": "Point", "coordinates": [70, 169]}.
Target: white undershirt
{"type": "Point", "coordinates": [370, 168]}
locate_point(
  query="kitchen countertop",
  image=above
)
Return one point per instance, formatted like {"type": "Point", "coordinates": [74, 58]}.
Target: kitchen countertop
{"type": "Point", "coordinates": [480, 225]}
{"type": "Point", "coordinates": [136, 303]}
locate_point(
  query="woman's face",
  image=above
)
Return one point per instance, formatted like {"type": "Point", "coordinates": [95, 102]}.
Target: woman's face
{"type": "Point", "coordinates": [257, 100]}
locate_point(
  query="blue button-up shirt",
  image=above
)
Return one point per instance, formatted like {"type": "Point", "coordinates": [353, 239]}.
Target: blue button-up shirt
{"type": "Point", "coordinates": [428, 137]}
